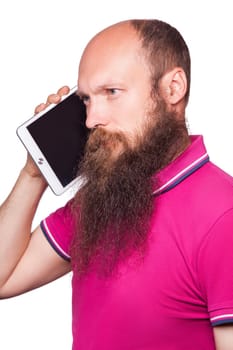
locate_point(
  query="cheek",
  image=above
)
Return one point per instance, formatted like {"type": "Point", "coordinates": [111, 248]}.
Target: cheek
{"type": "Point", "coordinates": [129, 115]}
{"type": "Point", "coordinates": [135, 125]}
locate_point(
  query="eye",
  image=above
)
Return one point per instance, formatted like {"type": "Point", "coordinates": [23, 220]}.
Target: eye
{"type": "Point", "coordinates": [85, 99]}
{"type": "Point", "coordinates": [112, 92]}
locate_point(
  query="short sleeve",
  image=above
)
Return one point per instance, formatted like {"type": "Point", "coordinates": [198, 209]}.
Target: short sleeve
{"type": "Point", "coordinates": [215, 266]}
{"type": "Point", "coordinates": [58, 228]}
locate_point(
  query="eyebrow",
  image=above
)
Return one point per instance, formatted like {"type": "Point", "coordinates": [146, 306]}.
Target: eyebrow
{"type": "Point", "coordinates": [101, 87]}
{"type": "Point", "coordinates": [79, 93]}
{"type": "Point", "coordinates": [109, 85]}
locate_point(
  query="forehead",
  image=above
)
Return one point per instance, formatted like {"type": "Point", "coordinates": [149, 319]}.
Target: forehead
{"type": "Point", "coordinates": [114, 54]}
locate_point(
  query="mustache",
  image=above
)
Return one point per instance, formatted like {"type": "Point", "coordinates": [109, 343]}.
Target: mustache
{"type": "Point", "coordinates": [100, 137]}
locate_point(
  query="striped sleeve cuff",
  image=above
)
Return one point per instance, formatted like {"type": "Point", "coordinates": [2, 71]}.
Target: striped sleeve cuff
{"type": "Point", "coordinates": [55, 245]}
{"type": "Point", "coordinates": [221, 319]}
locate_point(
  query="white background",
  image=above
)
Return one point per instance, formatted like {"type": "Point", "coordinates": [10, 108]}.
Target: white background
{"type": "Point", "coordinates": [41, 43]}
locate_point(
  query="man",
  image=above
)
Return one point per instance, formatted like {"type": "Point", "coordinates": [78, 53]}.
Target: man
{"type": "Point", "coordinates": [149, 236]}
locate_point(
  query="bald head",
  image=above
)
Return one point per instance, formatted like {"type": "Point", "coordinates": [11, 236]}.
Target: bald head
{"type": "Point", "coordinates": [108, 49]}
{"type": "Point", "coordinates": [114, 79]}
{"type": "Point", "coordinates": [159, 45]}
{"type": "Point", "coordinates": [117, 34]}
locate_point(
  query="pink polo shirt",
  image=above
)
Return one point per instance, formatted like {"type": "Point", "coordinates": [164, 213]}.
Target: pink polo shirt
{"type": "Point", "coordinates": [184, 285]}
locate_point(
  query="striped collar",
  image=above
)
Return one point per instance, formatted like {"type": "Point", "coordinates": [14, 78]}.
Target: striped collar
{"type": "Point", "coordinates": [194, 157]}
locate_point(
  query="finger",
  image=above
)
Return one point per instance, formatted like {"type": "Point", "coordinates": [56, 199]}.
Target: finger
{"type": "Point", "coordinates": [40, 108]}
{"type": "Point", "coordinates": [53, 98]}
{"type": "Point", "coordinates": [64, 90]}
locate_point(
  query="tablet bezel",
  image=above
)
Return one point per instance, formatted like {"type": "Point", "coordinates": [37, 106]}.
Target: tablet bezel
{"type": "Point", "coordinates": [38, 156]}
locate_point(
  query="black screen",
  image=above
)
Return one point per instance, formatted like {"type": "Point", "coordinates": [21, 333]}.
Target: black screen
{"type": "Point", "coordinates": [61, 136]}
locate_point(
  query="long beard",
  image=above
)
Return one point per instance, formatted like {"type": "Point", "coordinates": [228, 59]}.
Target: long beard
{"type": "Point", "coordinates": [114, 207]}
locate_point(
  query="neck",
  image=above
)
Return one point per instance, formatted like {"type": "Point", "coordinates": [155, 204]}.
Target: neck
{"type": "Point", "coordinates": [182, 147]}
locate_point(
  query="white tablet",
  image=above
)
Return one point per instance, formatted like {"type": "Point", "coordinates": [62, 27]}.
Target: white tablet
{"type": "Point", "coordinates": [55, 139]}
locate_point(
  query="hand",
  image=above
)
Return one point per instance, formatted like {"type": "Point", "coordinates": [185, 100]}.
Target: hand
{"type": "Point", "coordinates": [30, 167]}
{"type": "Point", "coordinates": [53, 98]}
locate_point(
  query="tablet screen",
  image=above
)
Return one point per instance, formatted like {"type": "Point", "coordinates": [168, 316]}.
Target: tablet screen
{"type": "Point", "coordinates": [61, 136]}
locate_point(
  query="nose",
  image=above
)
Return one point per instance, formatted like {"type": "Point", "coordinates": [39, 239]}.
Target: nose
{"type": "Point", "coordinates": [95, 115]}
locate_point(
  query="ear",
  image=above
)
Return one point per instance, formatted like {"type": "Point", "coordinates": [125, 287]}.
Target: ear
{"type": "Point", "coordinates": [173, 86]}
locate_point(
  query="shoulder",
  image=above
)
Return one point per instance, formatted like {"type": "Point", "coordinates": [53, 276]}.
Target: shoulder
{"type": "Point", "coordinates": [210, 192]}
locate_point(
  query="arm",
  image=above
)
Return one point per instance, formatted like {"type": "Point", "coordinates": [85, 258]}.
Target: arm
{"type": "Point", "coordinates": [216, 277]}
{"type": "Point", "coordinates": [223, 336]}
{"type": "Point", "coordinates": [27, 261]}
